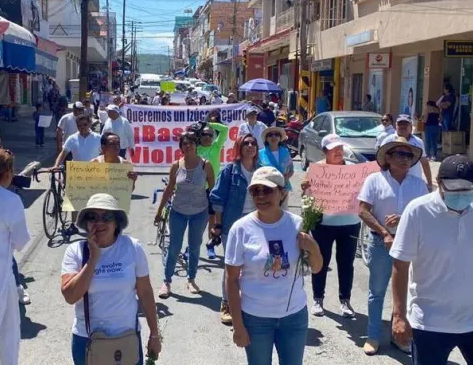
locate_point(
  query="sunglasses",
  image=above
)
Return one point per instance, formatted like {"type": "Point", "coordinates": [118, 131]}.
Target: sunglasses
{"type": "Point", "coordinates": [261, 190]}
{"type": "Point", "coordinates": [207, 135]}
{"type": "Point", "coordinates": [250, 143]}
{"type": "Point", "coordinates": [114, 144]}
{"type": "Point", "coordinates": [402, 155]}
{"type": "Point", "coordinates": [273, 135]}
{"type": "Point", "coordinates": [106, 217]}
{"type": "Point", "coordinates": [385, 120]}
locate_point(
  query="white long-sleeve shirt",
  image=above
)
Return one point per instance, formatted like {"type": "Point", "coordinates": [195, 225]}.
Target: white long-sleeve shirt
{"type": "Point", "coordinates": [121, 127]}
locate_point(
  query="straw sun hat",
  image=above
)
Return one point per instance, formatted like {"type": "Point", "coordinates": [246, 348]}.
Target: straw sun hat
{"type": "Point", "coordinates": [400, 141]}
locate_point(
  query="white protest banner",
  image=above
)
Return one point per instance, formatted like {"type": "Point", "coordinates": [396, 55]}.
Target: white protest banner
{"type": "Point", "coordinates": [336, 187]}
{"type": "Point", "coordinates": [45, 121]}
{"type": "Point", "coordinates": [157, 130]}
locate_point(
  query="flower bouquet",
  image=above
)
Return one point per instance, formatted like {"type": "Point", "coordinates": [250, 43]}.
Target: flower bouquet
{"type": "Point", "coordinates": [312, 213]}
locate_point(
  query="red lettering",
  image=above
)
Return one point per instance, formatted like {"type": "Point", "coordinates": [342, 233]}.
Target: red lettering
{"type": "Point", "coordinates": [233, 133]}
{"type": "Point", "coordinates": [176, 132]}
{"type": "Point", "coordinates": [229, 154]}
{"type": "Point", "coordinates": [136, 133]}
{"type": "Point", "coordinates": [146, 155]}
{"type": "Point", "coordinates": [164, 135]}
{"type": "Point", "coordinates": [148, 132]}
{"type": "Point", "coordinates": [135, 159]}
{"type": "Point", "coordinates": [157, 156]}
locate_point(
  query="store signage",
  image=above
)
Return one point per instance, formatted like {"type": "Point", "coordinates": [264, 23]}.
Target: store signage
{"type": "Point", "coordinates": [359, 38]}
{"type": "Point", "coordinates": [458, 49]}
{"type": "Point", "coordinates": [378, 60]}
{"type": "Point", "coordinates": [322, 65]}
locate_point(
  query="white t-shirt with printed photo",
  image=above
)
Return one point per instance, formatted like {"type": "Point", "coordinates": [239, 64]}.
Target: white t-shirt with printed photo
{"type": "Point", "coordinates": [112, 294]}
{"type": "Point", "coordinates": [264, 251]}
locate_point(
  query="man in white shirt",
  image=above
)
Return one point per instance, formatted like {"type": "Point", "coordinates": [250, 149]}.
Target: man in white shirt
{"type": "Point", "coordinates": [387, 121]}
{"type": "Point", "coordinates": [157, 97]}
{"type": "Point", "coordinates": [96, 101]}
{"type": "Point", "coordinates": [84, 145]}
{"type": "Point", "coordinates": [253, 126]}
{"type": "Point", "coordinates": [383, 198]}
{"type": "Point", "coordinates": [404, 129]}
{"type": "Point", "coordinates": [121, 127]}
{"type": "Point", "coordinates": [433, 263]}
{"type": "Point", "coordinates": [67, 125]}
{"type": "Point", "coordinates": [215, 98]}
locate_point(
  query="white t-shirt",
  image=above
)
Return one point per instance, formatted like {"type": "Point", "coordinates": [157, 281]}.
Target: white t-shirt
{"type": "Point", "coordinates": [249, 205]}
{"type": "Point", "coordinates": [103, 116]}
{"type": "Point", "coordinates": [83, 149]}
{"type": "Point", "coordinates": [380, 138]}
{"type": "Point", "coordinates": [68, 125]}
{"type": "Point", "coordinates": [439, 245]}
{"type": "Point", "coordinates": [264, 292]}
{"type": "Point", "coordinates": [122, 127]}
{"type": "Point", "coordinates": [415, 170]}
{"type": "Point", "coordinates": [276, 155]}
{"type": "Point", "coordinates": [112, 294]}
{"type": "Point", "coordinates": [387, 196]}
{"type": "Point", "coordinates": [13, 236]}
{"type": "Point", "coordinates": [256, 130]}
{"type": "Point", "coordinates": [156, 100]}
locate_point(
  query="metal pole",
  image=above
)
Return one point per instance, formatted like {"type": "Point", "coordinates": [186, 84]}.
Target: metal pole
{"type": "Point", "coordinates": [132, 56]}
{"type": "Point", "coordinates": [83, 71]}
{"type": "Point", "coordinates": [234, 70]}
{"type": "Point", "coordinates": [123, 47]}
{"type": "Point", "coordinates": [109, 51]}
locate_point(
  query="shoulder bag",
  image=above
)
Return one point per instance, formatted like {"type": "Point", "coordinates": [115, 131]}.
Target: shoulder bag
{"type": "Point", "coordinates": [109, 350]}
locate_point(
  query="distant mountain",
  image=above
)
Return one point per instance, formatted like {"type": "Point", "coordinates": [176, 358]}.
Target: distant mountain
{"type": "Point", "coordinates": [153, 63]}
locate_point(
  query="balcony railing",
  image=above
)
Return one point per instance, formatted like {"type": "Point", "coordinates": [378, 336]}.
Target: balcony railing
{"type": "Point", "coordinates": [285, 20]}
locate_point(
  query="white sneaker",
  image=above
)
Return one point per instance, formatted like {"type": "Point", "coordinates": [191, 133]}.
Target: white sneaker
{"type": "Point", "coordinates": [346, 309]}
{"type": "Point", "coordinates": [318, 308]}
{"type": "Point", "coordinates": [23, 296]}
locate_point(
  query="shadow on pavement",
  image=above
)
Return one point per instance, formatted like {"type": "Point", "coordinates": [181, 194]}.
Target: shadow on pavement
{"type": "Point", "coordinates": [356, 329]}
{"type": "Point", "coordinates": [58, 240]}
{"type": "Point", "coordinates": [313, 337]}
{"type": "Point", "coordinates": [205, 299]}
{"type": "Point", "coordinates": [29, 196]}
{"type": "Point", "coordinates": [29, 329]}
{"type": "Point", "coordinates": [161, 309]}
{"type": "Point", "coordinates": [139, 197]}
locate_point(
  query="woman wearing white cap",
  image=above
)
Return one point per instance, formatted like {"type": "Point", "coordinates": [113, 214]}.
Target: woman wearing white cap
{"type": "Point", "coordinates": [122, 127]}
{"type": "Point", "coordinates": [276, 154]}
{"type": "Point", "coordinates": [102, 277]}
{"type": "Point", "coordinates": [264, 284]}
{"type": "Point", "coordinates": [341, 229]}
{"type": "Point", "coordinates": [383, 198]}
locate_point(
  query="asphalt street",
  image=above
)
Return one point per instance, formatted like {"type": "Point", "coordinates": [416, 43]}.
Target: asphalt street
{"type": "Point", "coordinates": [191, 324]}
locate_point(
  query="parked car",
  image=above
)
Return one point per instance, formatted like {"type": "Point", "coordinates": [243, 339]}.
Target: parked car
{"type": "Point", "coordinates": [357, 129]}
{"type": "Point", "coordinates": [209, 88]}
{"type": "Point", "coordinates": [199, 85]}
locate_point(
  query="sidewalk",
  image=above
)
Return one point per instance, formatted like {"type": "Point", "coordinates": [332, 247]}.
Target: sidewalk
{"type": "Point", "coordinates": [19, 137]}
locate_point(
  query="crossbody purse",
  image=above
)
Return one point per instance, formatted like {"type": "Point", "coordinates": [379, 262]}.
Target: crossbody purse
{"type": "Point", "coordinates": [109, 350]}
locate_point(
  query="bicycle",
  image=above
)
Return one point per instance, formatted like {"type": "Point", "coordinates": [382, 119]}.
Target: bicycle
{"type": "Point", "coordinates": [162, 227]}
{"type": "Point", "coordinates": [363, 241]}
{"type": "Point", "coordinates": [52, 205]}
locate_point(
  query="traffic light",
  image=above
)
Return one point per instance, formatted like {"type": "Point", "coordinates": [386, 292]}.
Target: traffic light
{"type": "Point", "coordinates": [245, 55]}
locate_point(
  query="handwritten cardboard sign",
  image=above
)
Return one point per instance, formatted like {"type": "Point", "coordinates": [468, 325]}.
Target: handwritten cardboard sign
{"type": "Point", "coordinates": [45, 121]}
{"type": "Point", "coordinates": [84, 179]}
{"type": "Point", "coordinates": [336, 187]}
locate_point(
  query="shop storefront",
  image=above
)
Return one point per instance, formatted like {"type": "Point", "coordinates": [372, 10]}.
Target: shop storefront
{"type": "Point", "coordinates": [46, 65]}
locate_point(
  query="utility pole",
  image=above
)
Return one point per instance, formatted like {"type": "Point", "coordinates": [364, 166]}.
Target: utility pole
{"type": "Point", "coordinates": [84, 34]}
{"type": "Point", "coordinates": [123, 47]}
{"type": "Point", "coordinates": [304, 75]}
{"type": "Point", "coordinates": [233, 86]}
{"type": "Point", "coordinates": [132, 42]}
{"type": "Point", "coordinates": [109, 50]}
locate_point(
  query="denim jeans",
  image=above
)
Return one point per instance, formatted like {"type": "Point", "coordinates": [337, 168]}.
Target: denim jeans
{"type": "Point", "coordinates": [224, 287]}
{"type": "Point", "coordinates": [431, 140]}
{"type": "Point", "coordinates": [380, 266]}
{"type": "Point", "coordinates": [288, 334]}
{"type": "Point", "coordinates": [39, 135]}
{"type": "Point", "coordinates": [16, 273]}
{"type": "Point", "coordinates": [346, 241]}
{"type": "Point", "coordinates": [177, 226]}
{"type": "Point", "coordinates": [434, 348]}
{"type": "Point", "coordinates": [79, 345]}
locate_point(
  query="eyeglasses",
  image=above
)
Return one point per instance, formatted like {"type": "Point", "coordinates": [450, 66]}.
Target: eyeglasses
{"type": "Point", "coordinates": [261, 190]}
{"type": "Point", "coordinates": [269, 135]}
{"type": "Point", "coordinates": [106, 217]}
{"type": "Point", "coordinates": [250, 143]}
{"type": "Point", "coordinates": [402, 155]}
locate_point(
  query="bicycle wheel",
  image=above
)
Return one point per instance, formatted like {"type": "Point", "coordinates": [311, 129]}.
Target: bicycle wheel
{"type": "Point", "coordinates": [50, 214]}
{"type": "Point", "coordinates": [363, 239]}
{"type": "Point", "coordinates": [62, 214]}
{"type": "Point", "coordinates": [163, 242]}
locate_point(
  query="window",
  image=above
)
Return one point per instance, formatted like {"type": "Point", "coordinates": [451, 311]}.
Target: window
{"type": "Point", "coordinates": [318, 121]}
{"type": "Point", "coordinates": [44, 9]}
{"type": "Point", "coordinates": [326, 125]}
{"type": "Point", "coordinates": [367, 127]}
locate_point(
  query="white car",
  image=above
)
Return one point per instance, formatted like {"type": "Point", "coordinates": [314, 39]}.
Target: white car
{"type": "Point", "coordinates": [199, 85]}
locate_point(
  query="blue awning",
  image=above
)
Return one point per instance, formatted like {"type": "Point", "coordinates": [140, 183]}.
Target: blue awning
{"type": "Point", "coordinates": [18, 48]}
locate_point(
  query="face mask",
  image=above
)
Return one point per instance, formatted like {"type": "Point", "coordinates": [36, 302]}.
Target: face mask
{"type": "Point", "coordinates": [458, 200]}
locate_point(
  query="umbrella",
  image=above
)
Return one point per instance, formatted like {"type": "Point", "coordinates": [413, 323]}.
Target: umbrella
{"type": "Point", "coordinates": [260, 85]}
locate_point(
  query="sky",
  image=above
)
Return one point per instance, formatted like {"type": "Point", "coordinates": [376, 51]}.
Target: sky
{"type": "Point", "coordinates": [155, 33]}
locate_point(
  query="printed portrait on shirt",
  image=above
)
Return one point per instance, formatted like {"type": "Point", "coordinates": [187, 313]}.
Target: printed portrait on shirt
{"type": "Point", "coordinates": [277, 259]}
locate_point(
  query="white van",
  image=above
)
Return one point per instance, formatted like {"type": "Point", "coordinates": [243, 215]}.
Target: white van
{"type": "Point", "coordinates": [148, 83]}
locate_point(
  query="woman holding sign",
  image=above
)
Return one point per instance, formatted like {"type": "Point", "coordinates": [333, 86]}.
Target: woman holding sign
{"type": "Point", "coordinates": [340, 228]}
{"type": "Point", "coordinates": [383, 198]}
{"type": "Point", "coordinates": [190, 207]}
